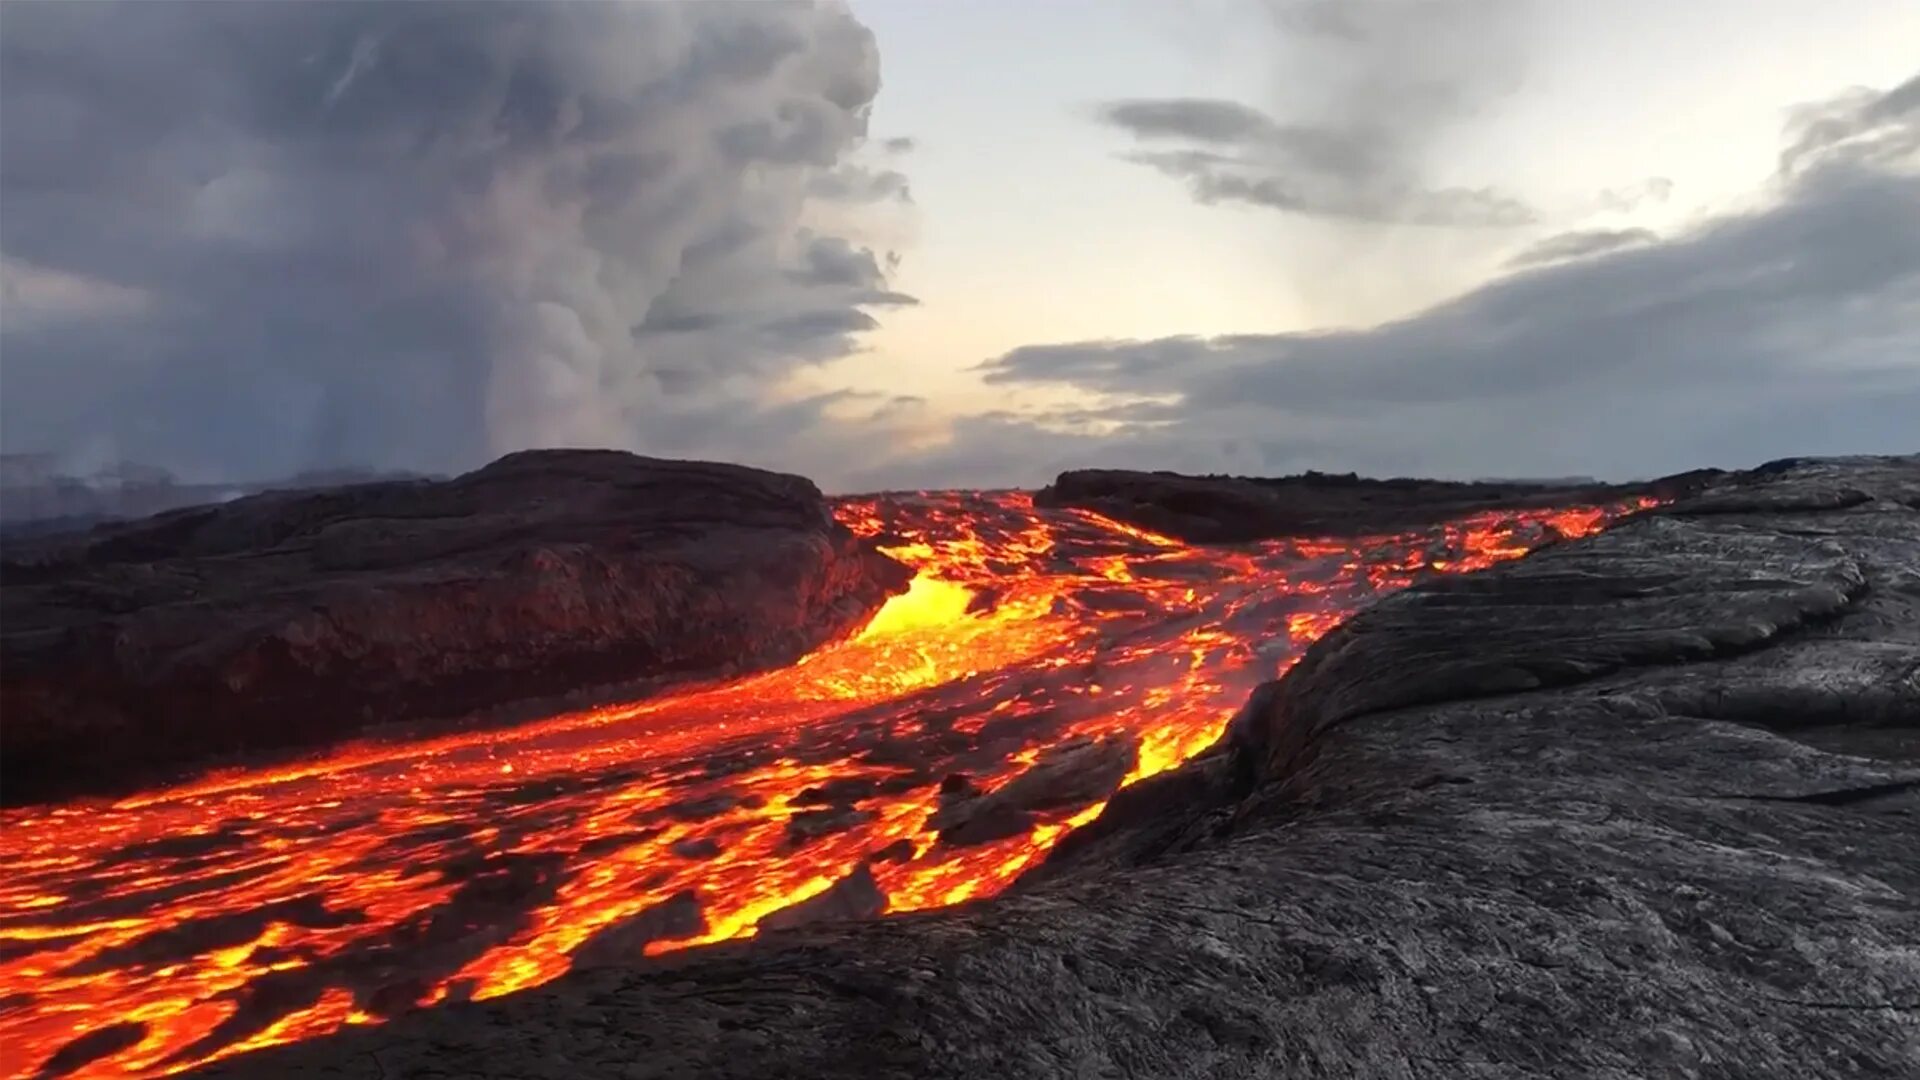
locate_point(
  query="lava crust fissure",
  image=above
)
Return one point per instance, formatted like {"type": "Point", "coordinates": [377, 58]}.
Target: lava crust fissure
{"type": "Point", "coordinates": [1557, 879]}
{"type": "Point", "coordinates": [1040, 662]}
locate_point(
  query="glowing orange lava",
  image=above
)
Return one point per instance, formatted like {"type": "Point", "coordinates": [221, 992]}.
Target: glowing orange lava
{"type": "Point", "coordinates": [256, 907]}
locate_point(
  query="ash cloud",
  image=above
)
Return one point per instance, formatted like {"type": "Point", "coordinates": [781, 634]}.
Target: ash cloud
{"type": "Point", "coordinates": [1787, 329]}
{"type": "Point", "coordinates": [242, 240]}
{"type": "Point", "coordinates": [858, 184]}
{"type": "Point", "coordinates": [1372, 88]}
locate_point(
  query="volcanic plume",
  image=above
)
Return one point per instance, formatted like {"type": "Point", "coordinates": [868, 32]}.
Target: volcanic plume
{"type": "Point", "coordinates": [1041, 660]}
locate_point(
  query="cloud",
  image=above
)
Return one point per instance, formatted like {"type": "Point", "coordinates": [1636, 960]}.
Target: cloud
{"type": "Point", "coordinates": [1791, 328]}
{"type": "Point", "coordinates": [1862, 125]}
{"type": "Point", "coordinates": [1377, 86]}
{"type": "Point", "coordinates": [1625, 200]}
{"type": "Point", "coordinates": [34, 297]}
{"type": "Point", "coordinates": [1222, 123]}
{"type": "Point", "coordinates": [1580, 243]}
{"type": "Point", "coordinates": [1336, 19]}
{"type": "Point", "coordinates": [1213, 179]}
{"type": "Point", "coordinates": [419, 235]}
{"type": "Point", "coordinates": [832, 260]}
{"type": "Point", "coordinates": [858, 184]}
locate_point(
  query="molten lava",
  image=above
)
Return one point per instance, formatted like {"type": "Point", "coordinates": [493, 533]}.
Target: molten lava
{"type": "Point", "coordinates": [257, 907]}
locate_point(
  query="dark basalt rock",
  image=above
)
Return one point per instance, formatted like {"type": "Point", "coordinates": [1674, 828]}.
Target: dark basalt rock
{"type": "Point", "coordinates": [291, 619]}
{"type": "Point", "coordinates": [1068, 776]}
{"type": "Point", "coordinates": [856, 896]}
{"type": "Point", "coordinates": [1232, 509]}
{"type": "Point", "coordinates": [807, 826]}
{"type": "Point", "coordinates": [1645, 804]}
{"type": "Point", "coordinates": [625, 942]}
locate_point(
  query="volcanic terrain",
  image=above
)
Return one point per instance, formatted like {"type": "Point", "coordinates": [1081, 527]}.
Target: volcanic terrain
{"type": "Point", "coordinates": [1630, 799]}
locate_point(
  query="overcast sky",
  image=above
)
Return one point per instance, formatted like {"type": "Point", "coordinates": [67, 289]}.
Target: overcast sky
{"type": "Point", "coordinates": [919, 243]}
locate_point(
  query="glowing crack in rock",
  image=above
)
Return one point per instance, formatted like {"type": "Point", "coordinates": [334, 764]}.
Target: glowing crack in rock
{"type": "Point", "coordinates": [269, 905]}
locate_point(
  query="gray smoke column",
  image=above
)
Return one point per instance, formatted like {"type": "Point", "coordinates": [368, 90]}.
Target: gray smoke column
{"type": "Point", "coordinates": [288, 235]}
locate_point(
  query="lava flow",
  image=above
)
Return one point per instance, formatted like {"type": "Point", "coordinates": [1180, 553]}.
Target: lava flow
{"type": "Point", "coordinates": [1040, 660]}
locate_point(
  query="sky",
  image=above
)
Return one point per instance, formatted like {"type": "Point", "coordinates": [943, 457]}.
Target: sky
{"type": "Point", "coordinates": [907, 243]}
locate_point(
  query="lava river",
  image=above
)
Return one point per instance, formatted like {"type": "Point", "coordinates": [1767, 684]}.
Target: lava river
{"type": "Point", "coordinates": [151, 934]}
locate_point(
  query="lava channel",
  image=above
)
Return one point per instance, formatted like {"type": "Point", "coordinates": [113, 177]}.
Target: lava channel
{"type": "Point", "coordinates": [1040, 660]}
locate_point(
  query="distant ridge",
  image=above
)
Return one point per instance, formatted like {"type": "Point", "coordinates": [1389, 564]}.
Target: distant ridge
{"type": "Point", "coordinates": [36, 499]}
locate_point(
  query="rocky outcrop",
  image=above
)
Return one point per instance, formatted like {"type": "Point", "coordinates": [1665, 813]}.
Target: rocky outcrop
{"type": "Point", "coordinates": [1643, 804]}
{"type": "Point", "coordinates": [1230, 509]}
{"type": "Point", "coordinates": [290, 619]}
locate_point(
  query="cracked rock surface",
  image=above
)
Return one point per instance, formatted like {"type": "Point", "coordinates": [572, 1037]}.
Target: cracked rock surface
{"type": "Point", "coordinates": [1647, 804]}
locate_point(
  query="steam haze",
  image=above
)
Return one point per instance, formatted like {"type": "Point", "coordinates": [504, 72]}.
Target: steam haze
{"type": "Point", "coordinates": [280, 236]}
{"type": "Point", "coordinates": [1460, 238]}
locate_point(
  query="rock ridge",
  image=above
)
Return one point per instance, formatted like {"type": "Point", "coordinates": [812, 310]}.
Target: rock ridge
{"type": "Point", "coordinates": [1233, 509]}
{"type": "Point", "coordinates": [289, 620]}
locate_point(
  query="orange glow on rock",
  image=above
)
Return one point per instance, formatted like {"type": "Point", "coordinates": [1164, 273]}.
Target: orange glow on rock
{"type": "Point", "coordinates": [267, 905]}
